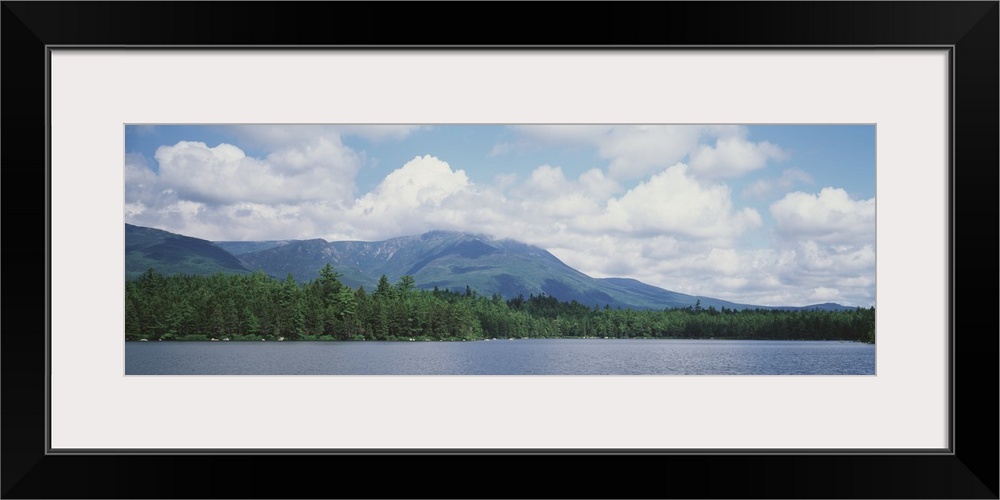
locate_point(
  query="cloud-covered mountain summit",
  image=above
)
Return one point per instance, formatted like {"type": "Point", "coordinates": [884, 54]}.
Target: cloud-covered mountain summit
{"type": "Point", "coordinates": [454, 261]}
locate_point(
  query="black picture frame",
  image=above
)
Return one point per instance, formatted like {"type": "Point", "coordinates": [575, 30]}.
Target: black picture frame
{"type": "Point", "coordinates": [968, 470]}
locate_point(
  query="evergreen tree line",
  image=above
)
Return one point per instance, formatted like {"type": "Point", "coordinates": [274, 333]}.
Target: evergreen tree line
{"type": "Point", "coordinates": [256, 306]}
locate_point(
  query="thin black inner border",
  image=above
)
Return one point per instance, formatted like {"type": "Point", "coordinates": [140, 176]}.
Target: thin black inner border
{"type": "Point", "coordinates": [950, 384]}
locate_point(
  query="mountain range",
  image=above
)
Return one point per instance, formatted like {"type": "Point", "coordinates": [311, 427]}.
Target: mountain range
{"type": "Point", "coordinates": [437, 259]}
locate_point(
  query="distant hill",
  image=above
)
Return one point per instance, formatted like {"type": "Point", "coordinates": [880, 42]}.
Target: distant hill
{"type": "Point", "coordinates": [171, 253]}
{"type": "Point", "coordinates": [660, 295]}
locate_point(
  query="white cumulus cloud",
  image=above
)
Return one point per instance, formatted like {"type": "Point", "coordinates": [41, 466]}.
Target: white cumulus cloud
{"type": "Point", "coordinates": [421, 181]}
{"type": "Point", "coordinates": [220, 192]}
{"type": "Point", "coordinates": [733, 156]}
{"type": "Point", "coordinates": [410, 199]}
{"type": "Point", "coordinates": [831, 216]}
{"type": "Point", "coordinates": [224, 174]}
{"type": "Point", "coordinates": [673, 202]}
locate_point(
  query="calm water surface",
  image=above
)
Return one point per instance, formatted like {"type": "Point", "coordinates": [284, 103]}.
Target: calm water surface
{"type": "Point", "coordinates": [503, 357]}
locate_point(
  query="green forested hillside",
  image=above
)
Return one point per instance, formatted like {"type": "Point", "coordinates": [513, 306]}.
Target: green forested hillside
{"type": "Point", "coordinates": [171, 253]}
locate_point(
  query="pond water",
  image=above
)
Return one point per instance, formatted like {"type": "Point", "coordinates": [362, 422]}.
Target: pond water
{"type": "Point", "coordinates": [503, 357]}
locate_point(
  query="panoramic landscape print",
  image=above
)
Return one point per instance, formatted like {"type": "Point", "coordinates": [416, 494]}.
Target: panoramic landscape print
{"type": "Point", "coordinates": [499, 249]}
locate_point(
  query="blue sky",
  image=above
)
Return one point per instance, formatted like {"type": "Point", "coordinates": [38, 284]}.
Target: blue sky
{"type": "Point", "coordinates": [764, 214]}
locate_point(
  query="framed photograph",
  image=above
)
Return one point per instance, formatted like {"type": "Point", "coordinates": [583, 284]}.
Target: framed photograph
{"type": "Point", "coordinates": [811, 176]}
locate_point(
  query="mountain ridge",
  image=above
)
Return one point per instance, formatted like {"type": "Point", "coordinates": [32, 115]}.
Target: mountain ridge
{"type": "Point", "coordinates": [172, 253]}
{"type": "Point", "coordinates": [456, 261]}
